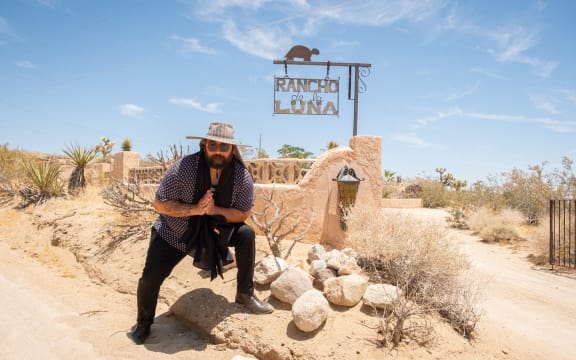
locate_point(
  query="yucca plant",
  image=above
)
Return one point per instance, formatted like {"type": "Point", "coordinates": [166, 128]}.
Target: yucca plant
{"type": "Point", "coordinates": [80, 156]}
{"type": "Point", "coordinates": [45, 176]}
{"type": "Point", "coordinates": [126, 144]}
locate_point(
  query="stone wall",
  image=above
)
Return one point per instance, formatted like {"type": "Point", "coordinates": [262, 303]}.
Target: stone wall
{"type": "Point", "coordinates": [319, 192]}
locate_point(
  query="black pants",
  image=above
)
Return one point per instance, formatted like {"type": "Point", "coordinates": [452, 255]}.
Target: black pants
{"type": "Point", "coordinates": [163, 257]}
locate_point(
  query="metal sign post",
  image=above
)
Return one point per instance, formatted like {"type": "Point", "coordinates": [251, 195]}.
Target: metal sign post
{"type": "Point", "coordinates": [299, 51]}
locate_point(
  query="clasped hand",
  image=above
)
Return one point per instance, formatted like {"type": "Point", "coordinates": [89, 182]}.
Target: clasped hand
{"type": "Point", "coordinates": [206, 204]}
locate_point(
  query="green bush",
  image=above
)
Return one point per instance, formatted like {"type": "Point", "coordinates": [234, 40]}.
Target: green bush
{"type": "Point", "coordinates": [45, 177]}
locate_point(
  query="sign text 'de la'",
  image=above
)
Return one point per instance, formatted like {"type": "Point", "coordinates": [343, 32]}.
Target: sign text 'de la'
{"type": "Point", "coordinates": [300, 96]}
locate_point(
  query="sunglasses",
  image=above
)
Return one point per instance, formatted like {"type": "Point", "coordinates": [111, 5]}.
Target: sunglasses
{"type": "Point", "coordinates": [213, 146]}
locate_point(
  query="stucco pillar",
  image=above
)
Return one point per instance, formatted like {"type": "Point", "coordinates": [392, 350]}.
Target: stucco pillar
{"type": "Point", "coordinates": [123, 162]}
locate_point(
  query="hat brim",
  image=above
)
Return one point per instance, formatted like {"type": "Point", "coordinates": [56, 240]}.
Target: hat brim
{"type": "Point", "coordinates": [217, 138]}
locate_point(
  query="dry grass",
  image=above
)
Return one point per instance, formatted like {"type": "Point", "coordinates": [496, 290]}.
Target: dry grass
{"type": "Point", "coordinates": [415, 254]}
{"type": "Point", "coordinates": [496, 226]}
{"type": "Point", "coordinates": [538, 242]}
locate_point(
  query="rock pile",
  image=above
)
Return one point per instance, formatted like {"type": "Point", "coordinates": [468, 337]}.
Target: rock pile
{"type": "Point", "coordinates": [331, 277]}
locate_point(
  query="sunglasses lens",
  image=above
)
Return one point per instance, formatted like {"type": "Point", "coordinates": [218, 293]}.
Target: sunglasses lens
{"type": "Point", "coordinates": [214, 146]}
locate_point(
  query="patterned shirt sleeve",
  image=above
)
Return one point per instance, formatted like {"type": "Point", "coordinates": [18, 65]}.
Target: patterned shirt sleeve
{"type": "Point", "coordinates": [170, 186]}
{"type": "Point", "coordinates": [243, 194]}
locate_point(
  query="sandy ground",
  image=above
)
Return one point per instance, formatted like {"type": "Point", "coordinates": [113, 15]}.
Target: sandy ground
{"type": "Point", "coordinates": [55, 307]}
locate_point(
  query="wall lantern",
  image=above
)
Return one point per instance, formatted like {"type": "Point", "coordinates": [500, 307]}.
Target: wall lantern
{"type": "Point", "coordinates": [348, 184]}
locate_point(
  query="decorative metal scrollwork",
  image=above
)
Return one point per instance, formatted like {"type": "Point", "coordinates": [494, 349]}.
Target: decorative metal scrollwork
{"type": "Point", "coordinates": [364, 72]}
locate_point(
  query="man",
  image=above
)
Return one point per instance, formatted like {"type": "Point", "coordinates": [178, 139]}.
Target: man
{"type": "Point", "coordinates": [210, 184]}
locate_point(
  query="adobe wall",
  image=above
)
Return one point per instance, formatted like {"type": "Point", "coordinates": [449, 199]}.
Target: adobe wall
{"type": "Point", "coordinates": [319, 192]}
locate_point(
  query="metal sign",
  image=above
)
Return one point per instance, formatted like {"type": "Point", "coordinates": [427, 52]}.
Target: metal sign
{"type": "Point", "coordinates": [302, 96]}
{"type": "Point", "coordinates": [299, 96]}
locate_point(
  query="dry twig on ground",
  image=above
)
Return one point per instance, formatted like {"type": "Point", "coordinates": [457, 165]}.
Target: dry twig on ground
{"type": "Point", "coordinates": [131, 233]}
{"type": "Point", "coordinates": [127, 198]}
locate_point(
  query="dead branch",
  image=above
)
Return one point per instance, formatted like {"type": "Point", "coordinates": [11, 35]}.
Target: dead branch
{"type": "Point", "coordinates": [276, 229]}
{"type": "Point", "coordinates": [132, 234]}
{"type": "Point", "coordinates": [127, 198]}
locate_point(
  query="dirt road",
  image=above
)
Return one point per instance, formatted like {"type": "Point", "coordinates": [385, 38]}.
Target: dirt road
{"type": "Point", "coordinates": [527, 311]}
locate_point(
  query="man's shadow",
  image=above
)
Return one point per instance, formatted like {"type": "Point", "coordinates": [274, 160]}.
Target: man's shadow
{"type": "Point", "coordinates": [189, 322]}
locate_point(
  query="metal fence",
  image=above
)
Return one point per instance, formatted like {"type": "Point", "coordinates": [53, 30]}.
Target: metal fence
{"type": "Point", "coordinates": [563, 233]}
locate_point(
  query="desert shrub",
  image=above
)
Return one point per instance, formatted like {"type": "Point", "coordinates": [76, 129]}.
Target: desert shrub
{"type": "Point", "coordinates": [414, 254]}
{"type": "Point", "coordinates": [434, 194]}
{"type": "Point", "coordinates": [538, 241]}
{"type": "Point", "coordinates": [498, 233]}
{"type": "Point", "coordinates": [528, 192]}
{"type": "Point", "coordinates": [486, 195]}
{"type": "Point", "coordinates": [483, 217]}
{"type": "Point", "coordinates": [12, 171]}
{"type": "Point", "coordinates": [412, 191]}
{"type": "Point", "coordinates": [496, 226]}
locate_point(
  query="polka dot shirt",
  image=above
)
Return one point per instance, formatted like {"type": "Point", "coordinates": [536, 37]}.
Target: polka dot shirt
{"type": "Point", "coordinates": [179, 184]}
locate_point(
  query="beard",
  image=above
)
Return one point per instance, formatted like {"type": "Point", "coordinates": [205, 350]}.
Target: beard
{"type": "Point", "coordinates": [218, 161]}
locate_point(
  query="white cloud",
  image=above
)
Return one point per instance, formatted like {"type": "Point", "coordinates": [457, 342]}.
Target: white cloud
{"type": "Point", "coordinates": [511, 45]}
{"type": "Point", "coordinates": [191, 103]}
{"type": "Point", "coordinates": [410, 138]}
{"type": "Point", "coordinates": [47, 3]}
{"type": "Point", "coordinates": [465, 92]}
{"type": "Point", "coordinates": [6, 31]}
{"type": "Point", "coordinates": [300, 19]}
{"type": "Point", "coordinates": [487, 73]}
{"type": "Point", "coordinates": [539, 5]}
{"type": "Point", "coordinates": [132, 110]}
{"type": "Point", "coordinates": [561, 126]}
{"type": "Point", "coordinates": [568, 95]}
{"type": "Point", "coordinates": [191, 45]}
{"type": "Point", "coordinates": [217, 7]}
{"type": "Point", "coordinates": [25, 64]}
{"type": "Point", "coordinates": [544, 104]}
{"type": "Point", "coordinates": [380, 13]}
{"type": "Point", "coordinates": [439, 116]}
{"type": "Point", "coordinates": [556, 101]}
{"type": "Point", "coordinates": [260, 42]}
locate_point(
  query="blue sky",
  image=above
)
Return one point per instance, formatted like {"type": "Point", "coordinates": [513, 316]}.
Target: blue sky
{"type": "Point", "coordinates": [478, 87]}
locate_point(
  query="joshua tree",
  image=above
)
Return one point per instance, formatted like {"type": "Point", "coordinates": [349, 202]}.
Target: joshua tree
{"type": "Point", "coordinates": [80, 156]}
{"type": "Point", "coordinates": [105, 147]}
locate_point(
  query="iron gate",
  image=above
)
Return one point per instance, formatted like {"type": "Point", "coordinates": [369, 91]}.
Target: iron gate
{"type": "Point", "coordinates": [563, 233]}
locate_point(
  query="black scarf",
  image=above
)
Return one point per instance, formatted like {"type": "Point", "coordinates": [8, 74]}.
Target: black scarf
{"type": "Point", "coordinates": [208, 236]}
{"type": "Point", "coordinates": [223, 192]}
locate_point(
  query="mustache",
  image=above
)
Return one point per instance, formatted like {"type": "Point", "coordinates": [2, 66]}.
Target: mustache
{"type": "Point", "coordinates": [217, 156]}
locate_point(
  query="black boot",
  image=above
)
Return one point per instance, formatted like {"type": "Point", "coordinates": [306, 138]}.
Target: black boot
{"type": "Point", "coordinates": [139, 334]}
{"type": "Point", "coordinates": [252, 303]}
